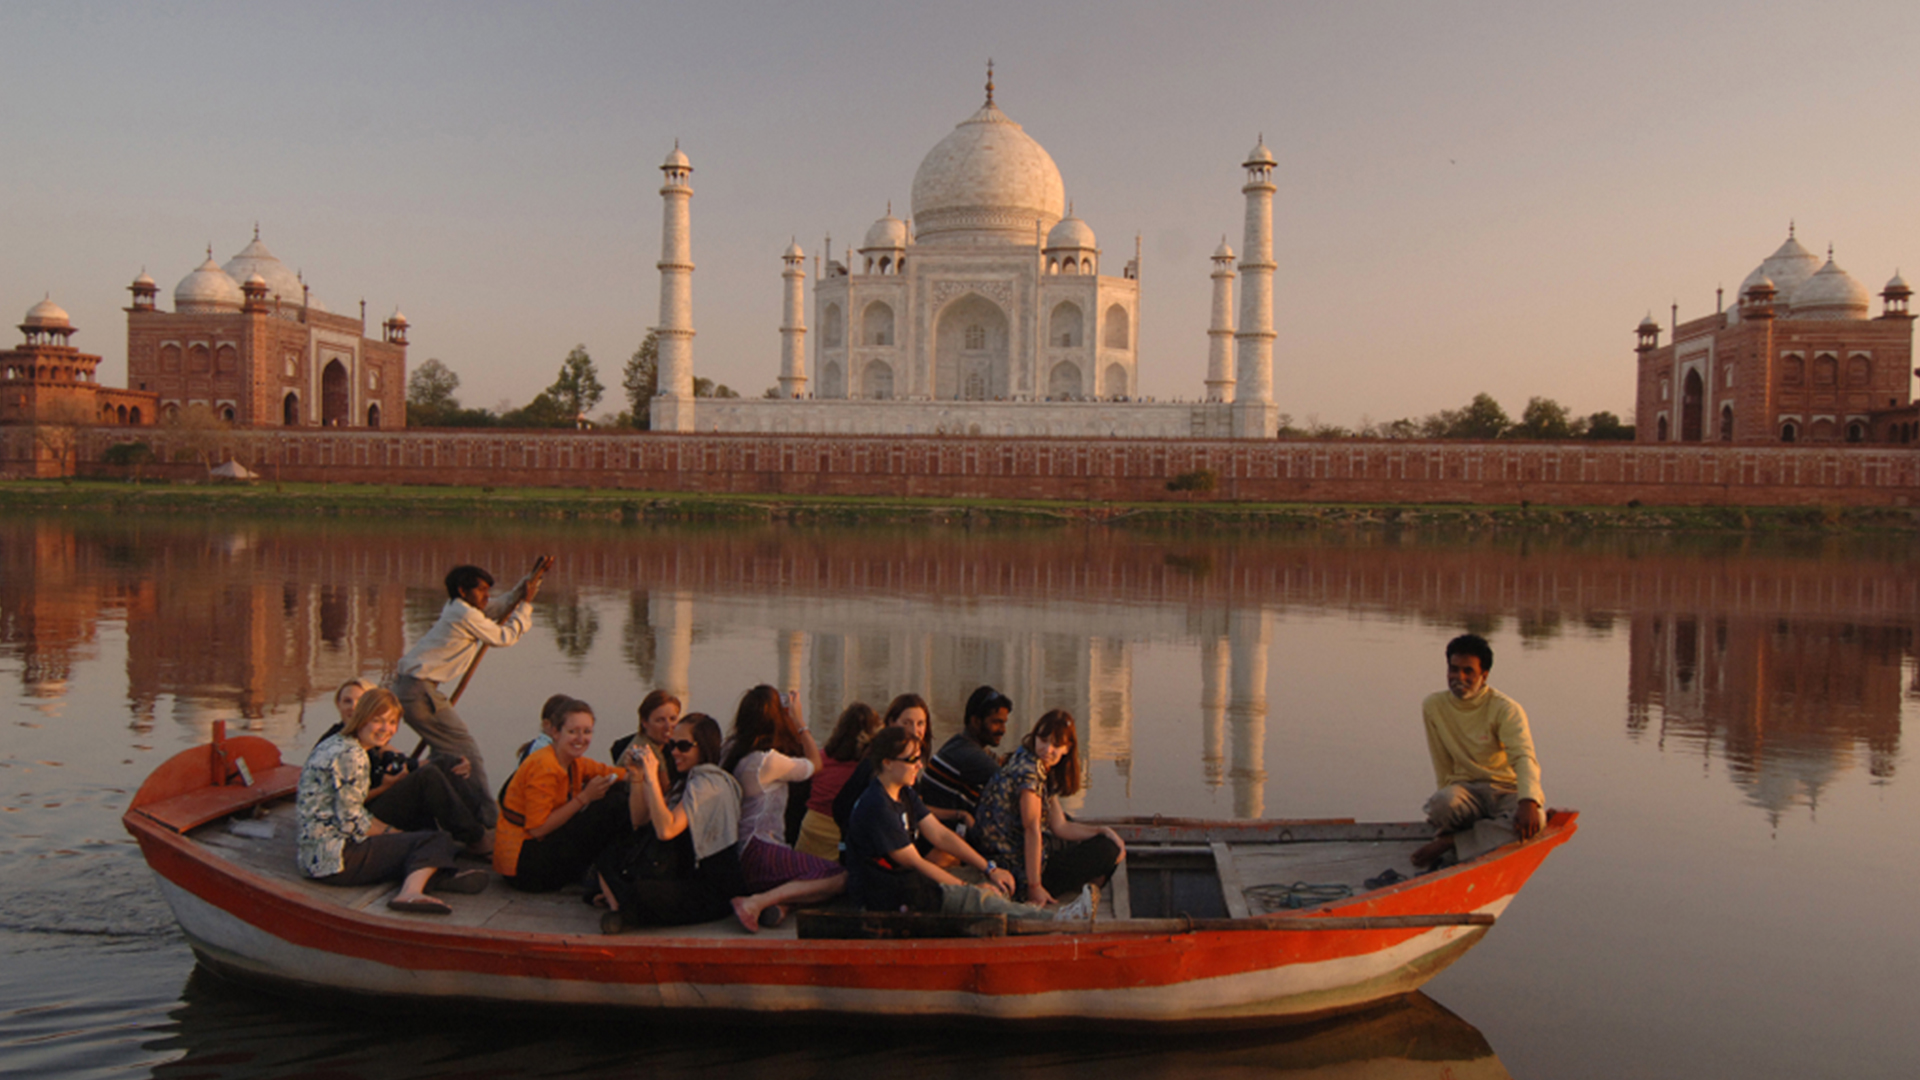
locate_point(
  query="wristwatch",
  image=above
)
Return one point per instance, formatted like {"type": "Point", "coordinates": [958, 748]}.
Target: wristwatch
{"type": "Point", "coordinates": [992, 866]}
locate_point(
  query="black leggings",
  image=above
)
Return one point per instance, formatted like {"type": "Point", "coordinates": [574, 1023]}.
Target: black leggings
{"type": "Point", "coordinates": [562, 856]}
{"type": "Point", "coordinates": [1074, 863]}
{"type": "Point", "coordinates": [390, 857]}
{"type": "Point", "coordinates": [428, 798]}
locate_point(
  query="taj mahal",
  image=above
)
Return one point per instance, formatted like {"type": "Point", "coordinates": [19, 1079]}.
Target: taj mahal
{"type": "Point", "coordinates": [987, 311]}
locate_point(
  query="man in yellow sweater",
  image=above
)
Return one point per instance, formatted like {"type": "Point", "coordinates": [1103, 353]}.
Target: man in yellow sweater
{"type": "Point", "coordinates": [1483, 760]}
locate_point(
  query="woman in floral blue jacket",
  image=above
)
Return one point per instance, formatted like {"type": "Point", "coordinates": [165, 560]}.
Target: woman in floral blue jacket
{"type": "Point", "coordinates": [341, 843]}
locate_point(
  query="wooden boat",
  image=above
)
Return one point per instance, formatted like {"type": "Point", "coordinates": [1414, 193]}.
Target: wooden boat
{"type": "Point", "coordinates": [1193, 930]}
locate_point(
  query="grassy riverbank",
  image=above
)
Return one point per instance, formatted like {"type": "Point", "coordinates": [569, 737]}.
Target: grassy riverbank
{"type": "Point", "coordinates": [353, 500]}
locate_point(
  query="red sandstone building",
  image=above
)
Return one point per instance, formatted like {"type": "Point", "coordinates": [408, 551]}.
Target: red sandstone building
{"type": "Point", "coordinates": [1798, 359]}
{"type": "Point", "coordinates": [250, 342]}
{"type": "Point", "coordinates": [49, 388]}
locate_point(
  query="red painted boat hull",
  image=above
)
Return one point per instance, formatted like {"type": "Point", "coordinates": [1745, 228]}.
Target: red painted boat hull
{"type": "Point", "coordinates": [252, 925]}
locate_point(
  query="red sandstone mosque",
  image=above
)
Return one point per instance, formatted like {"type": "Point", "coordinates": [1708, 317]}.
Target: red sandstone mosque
{"type": "Point", "coordinates": [1798, 359]}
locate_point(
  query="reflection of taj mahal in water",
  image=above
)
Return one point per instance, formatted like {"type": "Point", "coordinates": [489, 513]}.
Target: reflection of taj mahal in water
{"type": "Point", "coordinates": [1043, 657]}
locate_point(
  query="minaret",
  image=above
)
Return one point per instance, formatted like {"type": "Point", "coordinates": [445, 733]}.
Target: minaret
{"type": "Point", "coordinates": [1254, 414]}
{"type": "Point", "coordinates": [793, 325]}
{"type": "Point", "coordinates": [1220, 332]}
{"type": "Point", "coordinates": [673, 403]}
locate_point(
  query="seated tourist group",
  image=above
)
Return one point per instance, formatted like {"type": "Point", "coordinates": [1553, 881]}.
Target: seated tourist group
{"type": "Point", "coordinates": [687, 822]}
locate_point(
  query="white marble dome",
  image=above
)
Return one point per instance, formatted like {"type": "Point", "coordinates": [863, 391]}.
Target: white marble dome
{"type": "Point", "coordinates": [1224, 251]}
{"type": "Point", "coordinates": [207, 290]}
{"type": "Point", "coordinates": [256, 259]}
{"type": "Point", "coordinates": [1071, 233]}
{"type": "Point", "coordinates": [1832, 293]}
{"type": "Point", "coordinates": [793, 251]}
{"type": "Point", "coordinates": [888, 232]}
{"type": "Point", "coordinates": [144, 281]}
{"type": "Point", "coordinates": [677, 159]}
{"type": "Point", "coordinates": [987, 182]}
{"type": "Point", "coordinates": [1260, 155]}
{"type": "Point", "coordinates": [47, 315]}
{"type": "Point", "coordinates": [1786, 268]}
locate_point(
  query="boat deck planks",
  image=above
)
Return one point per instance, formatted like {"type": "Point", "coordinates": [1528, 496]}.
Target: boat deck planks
{"type": "Point", "coordinates": [1343, 856]}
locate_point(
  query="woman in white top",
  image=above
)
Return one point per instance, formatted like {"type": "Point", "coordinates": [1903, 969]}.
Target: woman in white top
{"type": "Point", "coordinates": [769, 749]}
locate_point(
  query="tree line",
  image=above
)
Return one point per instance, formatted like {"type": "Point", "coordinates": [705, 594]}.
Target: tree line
{"type": "Point", "coordinates": [1482, 418]}
{"type": "Point", "coordinates": [576, 391]}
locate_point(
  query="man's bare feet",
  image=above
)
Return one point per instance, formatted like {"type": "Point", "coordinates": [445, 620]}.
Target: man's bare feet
{"type": "Point", "coordinates": [1430, 853]}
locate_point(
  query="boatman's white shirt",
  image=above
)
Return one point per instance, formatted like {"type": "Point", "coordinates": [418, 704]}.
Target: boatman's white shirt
{"type": "Point", "coordinates": [445, 651]}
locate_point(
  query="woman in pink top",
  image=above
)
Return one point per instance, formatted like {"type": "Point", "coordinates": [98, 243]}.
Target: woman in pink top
{"type": "Point", "coordinates": [760, 755]}
{"type": "Point", "coordinates": [818, 834]}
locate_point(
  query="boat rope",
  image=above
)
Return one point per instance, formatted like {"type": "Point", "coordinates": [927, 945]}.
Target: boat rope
{"type": "Point", "coordinates": [1300, 894]}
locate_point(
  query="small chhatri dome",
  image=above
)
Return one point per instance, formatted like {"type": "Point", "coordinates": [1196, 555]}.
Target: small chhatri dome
{"type": "Point", "coordinates": [398, 319]}
{"type": "Point", "coordinates": [144, 281]}
{"type": "Point", "coordinates": [677, 159]}
{"type": "Point", "coordinates": [793, 251]}
{"type": "Point", "coordinates": [207, 289]}
{"type": "Point", "coordinates": [889, 232]}
{"type": "Point", "coordinates": [1647, 323]}
{"type": "Point", "coordinates": [1260, 155]}
{"type": "Point", "coordinates": [1223, 251]}
{"type": "Point", "coordinates": [47, 315]}
{"type": "Point", "coordinates": [1897, 283]}
{"type": "Point", "coordinates": [1070, 233]}
{"type": "Point", "coordinates": [1832, 293]}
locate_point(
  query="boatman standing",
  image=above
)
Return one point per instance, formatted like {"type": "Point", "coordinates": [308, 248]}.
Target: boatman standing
{"type": "Point", "coordinates": [448, 651]}
{"type": "Point", "coordinates": [1483, 761]}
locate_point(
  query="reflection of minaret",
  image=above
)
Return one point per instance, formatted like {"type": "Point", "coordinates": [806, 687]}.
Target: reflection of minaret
{"type": "Point", "coordinates": [671, 615]}
{"type": "Point", "coordinates": [1248, 631]}
{"type": "Point", "coordinates": [1214, 673]}
{"type": "Point", "coordinates": [1109, 728]}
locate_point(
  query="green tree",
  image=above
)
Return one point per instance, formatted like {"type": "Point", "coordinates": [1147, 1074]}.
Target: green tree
{"type": "Point", "coordinates": [1483, 418]}
{"type": "Point", "coordinates": [577, 389]}
{"type": "Point", "coordinates": [1605, 425]}
{"type": "Point", "coordinates": [1545, 418]}
{"type": "Point", "coordinates": [544, 411]}
{"type": "Point", "coordinates": [641, 380]}
{"type": "Point", "coordinates": [430, 400]}
{"type": "Point", "coordinates": [707, 388]}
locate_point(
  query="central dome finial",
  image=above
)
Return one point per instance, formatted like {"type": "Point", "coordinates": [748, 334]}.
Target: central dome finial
{"type": "Point", "coordinates": [989, 82]}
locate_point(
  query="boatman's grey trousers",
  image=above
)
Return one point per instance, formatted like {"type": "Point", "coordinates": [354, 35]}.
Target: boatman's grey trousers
{"type": "Point", "coordinates": [427, 711]}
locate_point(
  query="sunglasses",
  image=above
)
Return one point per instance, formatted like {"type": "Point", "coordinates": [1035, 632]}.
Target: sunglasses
{"type": "Point", "coordinates": [914, 760]}
{"type": "Point", "coordinates": [682, 745]}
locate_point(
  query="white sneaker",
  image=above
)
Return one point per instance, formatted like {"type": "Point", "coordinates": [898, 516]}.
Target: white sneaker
{"type": "Point", "coordinates": [1082, 907]}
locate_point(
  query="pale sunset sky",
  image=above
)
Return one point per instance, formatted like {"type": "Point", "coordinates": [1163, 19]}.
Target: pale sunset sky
{"type": "Point", "coordinates": [1472, 196]}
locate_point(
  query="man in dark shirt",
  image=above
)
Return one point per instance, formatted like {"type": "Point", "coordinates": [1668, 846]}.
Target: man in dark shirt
{"type": "Point", "coordinates": [959, 771]}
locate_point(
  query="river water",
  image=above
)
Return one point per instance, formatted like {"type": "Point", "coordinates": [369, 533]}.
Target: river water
{"type": "Point", "coordinates": [1726, 712]}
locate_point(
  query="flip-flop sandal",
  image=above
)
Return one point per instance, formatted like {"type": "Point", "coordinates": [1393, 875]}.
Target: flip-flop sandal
{"type": "Point", "coordinates": [425, 905]}
{"type": "Point", "coordinates": [466, 882]}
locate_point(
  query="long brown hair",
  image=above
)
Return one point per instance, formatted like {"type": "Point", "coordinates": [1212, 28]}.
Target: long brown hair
{"type": "Point", "coordinates": [903, 703]}
{"type": "Point", "coordinates": [856, 725]}
{"type": "Point", "coordinates": [762, 722]}
{"type": "Point", "coordinates": [1057, 727]}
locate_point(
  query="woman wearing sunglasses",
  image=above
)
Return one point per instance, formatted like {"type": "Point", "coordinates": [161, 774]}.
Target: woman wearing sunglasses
{"type": "Point", "coordinates": [885, 872]}
{"type": "Point", "coordinates": [694, 811]}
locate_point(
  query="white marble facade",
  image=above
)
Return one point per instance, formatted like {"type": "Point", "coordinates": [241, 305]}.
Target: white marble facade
{"type": "Point", "coordinates": [987, 312]}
